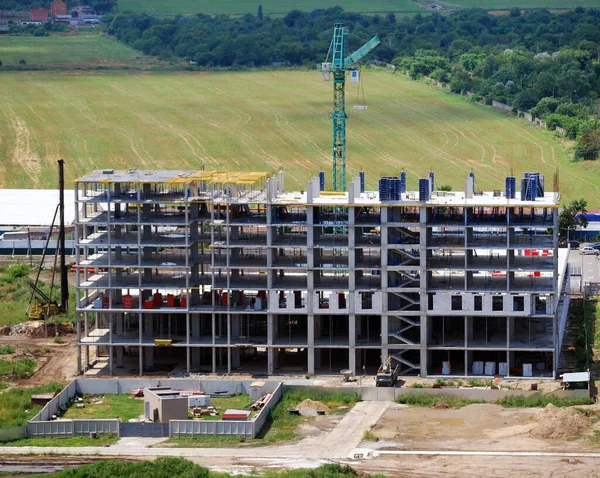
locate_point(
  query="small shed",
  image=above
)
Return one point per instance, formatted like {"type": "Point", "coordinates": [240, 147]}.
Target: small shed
{"type": "Point", "coordinates": [162, 404]}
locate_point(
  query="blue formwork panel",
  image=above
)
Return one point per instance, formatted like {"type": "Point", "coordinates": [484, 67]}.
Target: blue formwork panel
{"type": "Point", "coordinates": [511, 187]}
{"type": "Point", "coordinates": [424, 189]}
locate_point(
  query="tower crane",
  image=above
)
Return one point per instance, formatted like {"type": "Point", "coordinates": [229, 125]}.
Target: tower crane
{"type": "Point", "coordinates": [339, 66]}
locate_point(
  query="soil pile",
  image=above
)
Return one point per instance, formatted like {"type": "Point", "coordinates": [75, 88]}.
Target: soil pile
{"type": "Point", "coordinates": [314, 404]}
{"type": "Point", "coordinates": [554, 422]}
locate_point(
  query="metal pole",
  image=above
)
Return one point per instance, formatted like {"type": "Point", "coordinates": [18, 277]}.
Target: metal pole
{"type": "Point", "coordinates": [64, 283]}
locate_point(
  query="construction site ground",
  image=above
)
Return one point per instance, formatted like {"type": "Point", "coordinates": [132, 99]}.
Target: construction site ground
{"type": "Point", "coordinates": [411, 441]}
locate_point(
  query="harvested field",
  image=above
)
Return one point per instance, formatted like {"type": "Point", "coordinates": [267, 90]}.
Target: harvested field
{"type": "Point", "coordinates": [264, 121]}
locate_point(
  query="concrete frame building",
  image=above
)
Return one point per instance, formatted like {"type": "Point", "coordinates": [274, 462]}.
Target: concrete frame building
{"type": "Point", "coordinates": [218, 271]}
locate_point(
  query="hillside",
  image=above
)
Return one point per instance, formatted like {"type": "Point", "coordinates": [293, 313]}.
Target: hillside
{"type": "Point", "coordinates": [264, 121]}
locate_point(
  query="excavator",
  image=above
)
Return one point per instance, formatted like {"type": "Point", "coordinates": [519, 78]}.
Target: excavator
{"type": "Point", "coordinates": [44, 306]}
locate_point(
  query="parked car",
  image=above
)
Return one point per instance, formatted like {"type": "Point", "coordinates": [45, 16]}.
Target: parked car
{"type": "Point", "coordinates": [595, 245]}
{"type": "Point", "coordinates": [589, 250]}
{"type": "Point", "coordinates": [574, 244]}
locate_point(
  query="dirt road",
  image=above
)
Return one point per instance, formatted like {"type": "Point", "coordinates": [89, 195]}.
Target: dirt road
{"type": "Point", "coordinates": [58, 363]}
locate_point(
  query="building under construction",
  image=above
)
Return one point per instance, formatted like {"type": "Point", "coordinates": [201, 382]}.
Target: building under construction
{"type": "Point", "coordinates": [211, 271]}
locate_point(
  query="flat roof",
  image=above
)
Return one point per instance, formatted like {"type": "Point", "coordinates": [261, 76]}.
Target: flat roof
{"type": "Point", "coordinates": [324, 198]}
{"type": "Point", "coordinates": [173, 176]}
{"type": "Point", "coordinates": [34, 207]}
{"type": "Point", "coordinates": [411, 198]}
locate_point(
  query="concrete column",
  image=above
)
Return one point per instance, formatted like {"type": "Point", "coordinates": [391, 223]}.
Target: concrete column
{"type": "Point", "coordinates": [235, 328]}
{"type": "Point", "coordinates": [310, 321]}
{"type": "Point", "coordinates": [352, 359]}
{"type": "Point", "coordinates": [195, 357]}
{"type": "Point", "coordinates": [352, 330]}
{"type": "Point", "coordinates": [149, 357]}
{"type": "Point", "coordinates": [317, 358]}
{"type": "Point", "coordinates": [235, 357]}
{"type": "Point", "coordinates": [141, 360]}
{"type": "Point", "coordinates": [423, 289]}
{"type": "Point", "coordinates": [120, 360]}
{"type": "Point", "coordinates": [110, 359]}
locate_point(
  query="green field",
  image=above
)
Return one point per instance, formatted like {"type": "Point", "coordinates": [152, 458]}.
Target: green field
{"type": "Point", "coordinates": [87, 50]}
{"type": "Point", "coordinates": [282, 7]}
{"type": "Point", "coordinates": [270, 7]}
{"type": "Point", "coordinates": [505, 4]}
{"type": "Point", "coordinates": [263, 121]}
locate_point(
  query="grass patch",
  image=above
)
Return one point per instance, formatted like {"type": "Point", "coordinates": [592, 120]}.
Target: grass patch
{"type": "Point", "coordinates": [15, 293]}
{"type": "Point", "coordinates": [6, 349]}
{"type": "Point", "coordinates": [424, 400]}
{"type": "Point", "coordinates": [58, 340]}
{"type": "Point", "coordinates": [369, 436]}
{"type": "Point", "coordinates": [15, 404]}
{"type": "Point", "coordinates": [541, 400]}
{"type": "Point", "coordinates": [63, 442]}
{"type": "Point", "coordinates": [168, 467]}
{"type": "Point", "coordinates": [22, 368]}
{"type": "Point", "coordinates": [280, 426]}
{"type": "Point", "coordinates": [480, 382]}
{"type": "Point", "coordinates": [238, 402]}
{"type": "Point", "coordinates": [4, 385]}
{"type": "Point", "coordinates": [113, 406]}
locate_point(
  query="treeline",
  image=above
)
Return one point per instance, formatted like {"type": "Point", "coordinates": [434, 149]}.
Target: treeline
{"type": "Point", "coordinates": [537, 61]}
{"type": "Point", "coordinates": [101, 6]}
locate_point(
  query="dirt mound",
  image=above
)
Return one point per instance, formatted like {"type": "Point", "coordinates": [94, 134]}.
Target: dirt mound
{"type": "Point", "coordinates": [554, 422]}
{"type": "Point", "coordinates": [442, 405]}
{"type": "Point", "coordinates": [315, 405]}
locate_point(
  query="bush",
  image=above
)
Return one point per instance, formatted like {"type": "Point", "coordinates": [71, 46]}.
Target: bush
{"type": "Point", "coordinates": [588, 146]}
{"type": "Point", "coordinates": [16, 272]}
{"type": "Point", "coordinates": [6, 349]}
{"type": "Point", "coordinates": [540, 400]}
{"type": "Point", "coordinates": [425, 400]}
{"type": "Point", "coordinates": [58, 340]}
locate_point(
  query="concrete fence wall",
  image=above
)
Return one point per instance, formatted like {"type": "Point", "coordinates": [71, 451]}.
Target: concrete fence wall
{"type": "Point", "coordinates": [95, 386]}
{"type": "Point", "coordinates": [53, 406]}
{"type": "Point", "coordinates": [561, 130]}
{"type": "Point", "coordinates": [72, 428]}
{"type": "Point", "coordinates": [10, 434]}
{"type": "Point", "coordinates": [193, 428]}
{"type": "Point", "coordinates": [502, 106]}
{"type": "Point", "coordinates": [260, 419]}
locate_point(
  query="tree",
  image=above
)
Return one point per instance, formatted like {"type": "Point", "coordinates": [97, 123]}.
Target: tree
{"type": "Point", "coordinates": [588, 146]}
{"type": "Point", "coordinates": [572, 216]}
{"type": "Point", "coordinates": [259, 14]}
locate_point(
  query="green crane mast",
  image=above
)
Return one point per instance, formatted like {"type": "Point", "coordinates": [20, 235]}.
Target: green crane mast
{"type": "Point", "coordinates": [339, 66]}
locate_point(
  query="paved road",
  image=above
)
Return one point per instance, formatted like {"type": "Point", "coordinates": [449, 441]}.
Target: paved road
{"type": "Point", "coordinates": [308, 453]}
{"type": "Point", "coordinates": [583, 267]}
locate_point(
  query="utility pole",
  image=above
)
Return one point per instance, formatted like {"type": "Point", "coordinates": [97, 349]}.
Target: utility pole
{"type": "Point", "coordinates": [64, 283]}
